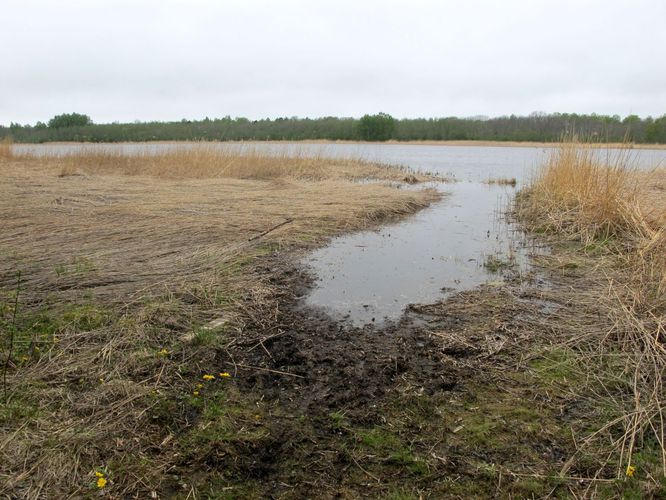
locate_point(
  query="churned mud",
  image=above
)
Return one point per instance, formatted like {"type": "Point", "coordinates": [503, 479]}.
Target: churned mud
{"type": "Point", "coordinates": [456, 399]}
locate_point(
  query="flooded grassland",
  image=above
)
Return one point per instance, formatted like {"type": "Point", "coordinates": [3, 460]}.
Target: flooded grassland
{"type": "Point", "coordinates": [202, 335]}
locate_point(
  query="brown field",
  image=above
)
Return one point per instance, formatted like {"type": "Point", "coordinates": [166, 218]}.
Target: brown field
{"type": "Point", "coordinates": [141, 222]}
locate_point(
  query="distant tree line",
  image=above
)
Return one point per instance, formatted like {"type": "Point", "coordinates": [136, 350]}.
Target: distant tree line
{"type": "Point", "coordinates": [379, 127]}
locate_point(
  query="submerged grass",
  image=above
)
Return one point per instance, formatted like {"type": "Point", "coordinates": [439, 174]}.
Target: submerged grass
{"type": "Point", "coordinates": [501, 181]}
{"type": "Point", "coordinates": [619, 217]}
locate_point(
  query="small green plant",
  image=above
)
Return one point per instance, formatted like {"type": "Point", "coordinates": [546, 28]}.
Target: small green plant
{"type": "Point", "coordinates": [495, 264]}
{"type": "Point", "coordinates": [11, 334]}
{"type": "Point", "coordinates": [79, 265]}
{"type": "Point", "coordinates": [208, 337]}
{"type": "Point", "coordinates": [338, 420]}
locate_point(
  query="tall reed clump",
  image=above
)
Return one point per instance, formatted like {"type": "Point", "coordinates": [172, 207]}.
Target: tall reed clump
{"type": "Point", "coordinates": [6, 149]}
{"type": "Point", "coordinates": [578, 192]}
{"type": "Point", "coordinates": [599, 200]}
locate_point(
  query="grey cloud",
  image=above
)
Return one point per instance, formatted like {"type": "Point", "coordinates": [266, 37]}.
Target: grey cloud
{"type": "Point", "coordinates": [167, 59]}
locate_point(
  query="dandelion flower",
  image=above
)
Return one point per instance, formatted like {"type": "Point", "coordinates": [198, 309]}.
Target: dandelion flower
{"type": "Point", "coordinates": [101, 482]}
{"type": "Point", "coordinates": [225, 374]}
{"type": "Point", "coordinates": [209, 377]}
{"type": "Point", "coordinates": [195, 393]}
{"type": "Point", "coordinates": [163, 352]}
{"type": "Point", "coordinates": [630, 470]}
{"type": "Point", "coordinates": [99, 474]}
{"type": "Point", "coordinates": [199, 386]}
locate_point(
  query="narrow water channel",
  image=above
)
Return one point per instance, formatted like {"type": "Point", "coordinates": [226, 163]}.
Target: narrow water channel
{"type": "Point", "coordinates": [456, 244]}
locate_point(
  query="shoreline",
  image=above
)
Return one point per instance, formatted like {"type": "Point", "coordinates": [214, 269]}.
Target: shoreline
{"type": "Point", "coordinates": [460, 143]}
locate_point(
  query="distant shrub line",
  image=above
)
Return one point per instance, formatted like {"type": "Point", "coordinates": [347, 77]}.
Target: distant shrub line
{"type": "Point", "coordinates": [380, 127]}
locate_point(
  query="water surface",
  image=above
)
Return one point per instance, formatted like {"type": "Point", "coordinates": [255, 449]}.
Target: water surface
{"type": "Point", "coordinates": [372, 276]}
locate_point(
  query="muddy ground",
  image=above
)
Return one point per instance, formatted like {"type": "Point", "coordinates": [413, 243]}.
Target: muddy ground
{"type": "Point", "coordinates": [468, 397]}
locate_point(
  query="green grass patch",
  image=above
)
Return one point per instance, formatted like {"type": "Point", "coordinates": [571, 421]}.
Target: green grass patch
{"type": "Point", "coordinates": [496, 264]}
{"type": "Point", "coordinates": [17, 410]}
{"type": "Point", "coordinates": [77, 266]}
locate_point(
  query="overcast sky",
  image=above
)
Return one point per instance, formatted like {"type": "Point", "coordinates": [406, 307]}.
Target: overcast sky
{"type": "Point", "coordinates": [125, 60]}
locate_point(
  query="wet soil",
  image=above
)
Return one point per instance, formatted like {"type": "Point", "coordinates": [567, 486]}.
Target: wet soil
{"type": "Point", "coordinates": [338, 366]}
{"type": "Point", "coordinates": [441, 403]}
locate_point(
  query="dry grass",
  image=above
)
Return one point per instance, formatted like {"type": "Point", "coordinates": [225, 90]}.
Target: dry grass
{"type": "Point", "coordinates": [609, 206]}
{"type": "Point", "coordinates": [133, 227]}
{"type": "Point", "coordinates": [577, 193]}
{"type": "Point", "coordinates": [202, 161]}
{"type": "Point", "coordinates": [130, 259]}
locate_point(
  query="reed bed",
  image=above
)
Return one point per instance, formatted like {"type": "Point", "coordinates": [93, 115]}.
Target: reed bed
{"type": "Point", "coordinates": [122, 264]}
{"type": "Point", "coordinates": [205, 161]}
{"type": "Point", "coordinates": [615, 210]}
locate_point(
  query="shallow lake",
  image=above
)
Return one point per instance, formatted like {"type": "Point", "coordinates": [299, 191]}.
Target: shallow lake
{"type": "Point", "coordinates": [371, 276]}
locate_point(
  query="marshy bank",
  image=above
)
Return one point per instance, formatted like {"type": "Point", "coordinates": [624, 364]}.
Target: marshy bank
{"type": "Point", "coordinates": [607, 221]}
{"type": "Point", "coordinates": [161, 341]}
{"type": "Point", "coordinates": [123, 278]}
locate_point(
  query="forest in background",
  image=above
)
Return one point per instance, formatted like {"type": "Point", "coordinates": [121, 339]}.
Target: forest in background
{"type": "Point", "coordinates": [539, 127]}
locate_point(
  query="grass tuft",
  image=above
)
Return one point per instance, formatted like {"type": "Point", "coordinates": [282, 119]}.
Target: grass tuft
{"type": "Point", "coordinates": [502, 181]}
{"type": "Point", "coordinates": [6, 151]}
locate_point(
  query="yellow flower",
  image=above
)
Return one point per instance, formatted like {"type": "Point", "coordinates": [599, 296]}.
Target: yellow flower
{"type": "Point", "coordinates": [209, 377]}
{"type": "Point", "coordinates": [225, 374]}
{"type": "Point", "coordinates": [195, 393]}
{"type": "Point", "coordinates": [163, 352]}
{"type": "Point", "coordinates": [99, 474]}
{"type": "Point", "coordinates": [199, 386]}
{"type": "Point", "coordinates": [101, 482]}
{"type": "Point", "coordinates": [630, 470]}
